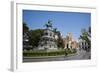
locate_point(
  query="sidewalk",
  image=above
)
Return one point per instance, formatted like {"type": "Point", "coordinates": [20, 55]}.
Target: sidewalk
{"type": "Point", "coordinates": [39, 57]}
{"type": "Point", "coordinates": [44, 57]}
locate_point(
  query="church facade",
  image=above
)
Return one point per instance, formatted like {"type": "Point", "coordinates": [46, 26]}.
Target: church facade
{"type": "Point", "coordinates": [69, 42]}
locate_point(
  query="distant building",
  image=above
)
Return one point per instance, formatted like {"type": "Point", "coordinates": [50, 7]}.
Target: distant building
{"type": "Point", "coordinates": [69, 42]}
{"type": "Point", "coordinates": [83, 44]}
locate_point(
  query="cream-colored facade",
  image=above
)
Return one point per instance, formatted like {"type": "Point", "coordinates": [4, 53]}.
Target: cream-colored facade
{"type": "Point", "coordinates": [69, 42]}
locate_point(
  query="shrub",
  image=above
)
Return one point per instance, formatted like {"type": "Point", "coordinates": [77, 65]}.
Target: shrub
{"type": "Point", "coordinates": [37, 53]}
{"type": "Point", "coordinates": [44, 53]}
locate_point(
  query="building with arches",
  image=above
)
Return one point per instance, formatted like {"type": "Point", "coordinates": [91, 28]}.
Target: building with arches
{"type": "Point", "coordinates": [48, 40]}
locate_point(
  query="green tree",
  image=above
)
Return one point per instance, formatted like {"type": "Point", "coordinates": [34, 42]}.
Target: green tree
{"type": "Point", "coordinates": [25, 28]}
{"type": "Point", "coordinates": [35, 36]}
{"type": "Point", "coordinates": [59, 41]}
{"type": "Point", "coordinates": [86, 35]}
{"type": "Point", "coordinates": [26, 45]}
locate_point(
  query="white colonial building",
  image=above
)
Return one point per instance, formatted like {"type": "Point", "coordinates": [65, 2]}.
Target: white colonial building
{"type": "Point", "coordinates": [48, 40]}
{"type": "Point", "coordinates": [83, 44]}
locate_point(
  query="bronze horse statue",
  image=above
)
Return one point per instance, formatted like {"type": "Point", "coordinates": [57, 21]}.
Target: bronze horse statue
{"type": "Point", "coordinates": [49, 24]}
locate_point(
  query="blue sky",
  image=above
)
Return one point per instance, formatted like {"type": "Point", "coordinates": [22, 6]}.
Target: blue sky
{"type": "Point", "coordinates": [64, 21]}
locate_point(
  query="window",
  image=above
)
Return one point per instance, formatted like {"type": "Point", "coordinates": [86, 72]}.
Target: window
{"type": "Point", "coordinates": [50, 46]}
{"type": "Point", "coordinates": [67, 46]}
{"type": "Point", "coordinates": [45, 42]}
{"type": "Point", "coordinates": [50, 34]}
{"type": "Point", "coordinates": [41, 45]}
{"type": "Point", "coordinates": [46, 33]}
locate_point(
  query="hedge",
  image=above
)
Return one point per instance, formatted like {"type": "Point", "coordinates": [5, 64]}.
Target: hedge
{"type": "Point", "coordinates": [47, 53]}
{"type": "Point", "coordinates": [43, 53]}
